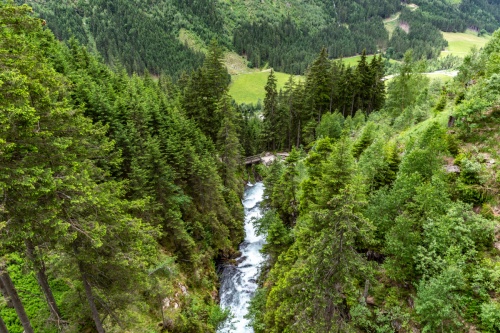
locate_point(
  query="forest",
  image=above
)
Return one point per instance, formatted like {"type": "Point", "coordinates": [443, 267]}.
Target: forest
{"type": "Point", "coordinates": [387, 221]}
{"type": "Point", "coordinates": [121, 192]}
{"type": "Point", "coordinates": [146, 35]}
{"type": "Point", "coordinates": [115, 200]}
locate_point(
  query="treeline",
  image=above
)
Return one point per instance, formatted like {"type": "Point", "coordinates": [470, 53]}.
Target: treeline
{"type": "Point", "coordinates": [384, 226]}
{"type": "Point", "coordinates": [117, 198]}
{"type": "Point", "coordinates": [290, 48]}
{"type": "Point", "coordinates": [296, 115]}
{"type": "Point", "coordinates": [289, 45]}
{"type": "Point", "coordinates": [146, 35]}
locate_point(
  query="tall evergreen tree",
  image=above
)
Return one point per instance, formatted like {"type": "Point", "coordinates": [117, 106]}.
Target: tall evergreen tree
{"type": "Point", "coordinates": [228, 144]}
{"type": "Point", "coordinates": [318, 91]}
{"type": "Point", "coordinates": [204, 90]}
{"type": "Point", "coordinates": [55, 195]}
{"type": "Point", "coordinates": [270, 114]}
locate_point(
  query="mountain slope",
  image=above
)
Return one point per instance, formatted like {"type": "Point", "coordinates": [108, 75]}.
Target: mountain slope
{"type": "Point", "coordinates": [285, 34]}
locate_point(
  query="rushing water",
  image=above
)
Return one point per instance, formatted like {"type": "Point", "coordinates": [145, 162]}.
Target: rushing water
{"type": "Point", "coordinates": [238, 283]}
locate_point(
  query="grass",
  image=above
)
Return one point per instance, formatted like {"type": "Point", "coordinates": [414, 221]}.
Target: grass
{"type": "Point", "coordinates": [439, 76]}
{"type": "Point", "coordinates": [192, 40]}
{"type": "Point", "coordinates": [418, 129]}
{"type": "Point", "coordinates": [247, 85]}
{"type": "Point", "coordinates": [236, 64]}
{"type": "Point", "coordinates": [353, 61]}
{"type": "Point", "coordinates": [249, 88]}
{"type": "Point", "coordinates": [391, 23]}
{"type": "Point", "coordinates": [459, 44]}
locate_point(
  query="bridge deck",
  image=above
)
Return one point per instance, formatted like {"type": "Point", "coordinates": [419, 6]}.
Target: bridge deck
{"type": "Point", "coordinates": [265, 158]}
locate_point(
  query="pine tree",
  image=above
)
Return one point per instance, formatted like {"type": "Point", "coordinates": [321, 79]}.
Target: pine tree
{"type": "Point", "coordinates": [51, 184]}
{"type": "Point", "coordinates": [285, 193]}
{"type": "Point", "coordinates": [315, 276]}
{"type": "Point", "coordinates": [377, 88]}
{"type": "Point", "coordinates": [270, 113]}
{"type": "Point", "coordinates": [365, 81]}
{"type": "Point", "coordinates": [228, 144]}
{"type": "Point", "coordinates": [205, 88]}
{"type": "Point", "coordinates": [318, 91]}
{"type": "Point", "coordinates": [290, 112]}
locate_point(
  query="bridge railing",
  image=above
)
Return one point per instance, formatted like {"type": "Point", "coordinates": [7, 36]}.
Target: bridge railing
{"type": "Point", "coordinates": [252, 159]}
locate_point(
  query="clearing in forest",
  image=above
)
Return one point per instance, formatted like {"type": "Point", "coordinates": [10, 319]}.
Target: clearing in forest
{"type": "Point", "coordinates": [460, 43]}
{"type": "Point", "coordinates": [249, 88]}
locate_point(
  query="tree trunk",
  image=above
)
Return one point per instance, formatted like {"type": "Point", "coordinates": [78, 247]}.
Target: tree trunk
{"type": "Point", "coordinates": [43, 281]}
{"type": "Point", "coordinates": [16, 301]}
{"type": "Point", "coordinates": [5, 295]}
{"type": "Point", "coordinates": [3, 327]}
{"type": "Point", "coordinates": [367, 288]}
{"type": "Point", "coordinates": [298, 135]}
{"type": "Point", "coordinates": [90, 299]}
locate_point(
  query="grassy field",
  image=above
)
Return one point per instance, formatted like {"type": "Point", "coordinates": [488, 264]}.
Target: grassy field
{"type": "Point", "coordinates": [391, 23]}
{"type": "Point", "coordinates": [247, 85]}
{"type": "Point", "coordinates": [353, 61]}
{"type": "Point", "coordinates": [249, 88]}
{"type": "Point", "coordinates": [459, 44]}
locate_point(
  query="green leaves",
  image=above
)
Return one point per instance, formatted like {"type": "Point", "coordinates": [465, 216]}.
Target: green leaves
{"type": "Point", "coordinates": [439, 301]}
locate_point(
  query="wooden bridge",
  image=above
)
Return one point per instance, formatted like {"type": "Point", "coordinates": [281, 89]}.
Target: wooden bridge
{"type": "Point", "coordinates": [265, 158]}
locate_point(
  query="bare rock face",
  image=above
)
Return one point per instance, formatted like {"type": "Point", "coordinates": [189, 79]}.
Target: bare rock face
{"type": "Point", "coordinates": [183, 289]}
{"type": "Point", "coordinates": [452, 168]}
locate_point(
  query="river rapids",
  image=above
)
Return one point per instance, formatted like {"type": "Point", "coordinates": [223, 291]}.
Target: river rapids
{"type": "Point", "coordinates": [239, 283]}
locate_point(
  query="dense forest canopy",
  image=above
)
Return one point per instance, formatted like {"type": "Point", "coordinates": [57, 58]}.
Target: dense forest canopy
{"type": "Point", "coordinates": [168, 36]}
{"type": "Point", "coordinates": [114, 198]}
{"type": "Point", "coordinates": [389, 223]}
{"type": "Point", "coordinates": [121, 193]}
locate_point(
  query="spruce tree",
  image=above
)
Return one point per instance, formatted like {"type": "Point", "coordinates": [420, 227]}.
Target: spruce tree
{"type": "Point", "coordinates": [318, 90]}
{"type": "Point", "coordinates": [204, 90]}
{"type": "Point", "coordinates": [270, 114]}
{"type": "Point", "coordinates": [228, 144]}
{"type": "Point", "coordinates": [56, 196]}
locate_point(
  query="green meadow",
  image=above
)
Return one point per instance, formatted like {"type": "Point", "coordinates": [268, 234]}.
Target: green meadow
{"type": "Point", "coordinates": [249, 88]}
{"type": "Point", "coordinates": [459, 44]}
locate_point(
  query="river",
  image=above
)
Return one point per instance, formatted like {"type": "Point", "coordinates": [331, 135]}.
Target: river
{"type": "Point", "coordinates": [238, 283]}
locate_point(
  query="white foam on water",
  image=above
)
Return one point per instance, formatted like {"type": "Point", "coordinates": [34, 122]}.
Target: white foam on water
{"type": "Point", "coordinates": [238, 284]}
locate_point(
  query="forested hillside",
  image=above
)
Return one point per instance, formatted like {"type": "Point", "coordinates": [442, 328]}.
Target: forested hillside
{"type": "Point", "coordinates": [116, 202]}
{"type": "Point", "coordinates": [389, 221]}
{"type": "Point", "coordinates": [155, 35]}
{"type": "Point", "coordinates": [121, 193]}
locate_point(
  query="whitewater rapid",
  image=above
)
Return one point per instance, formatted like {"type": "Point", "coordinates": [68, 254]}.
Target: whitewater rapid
{"type": "Point", "coordinates": [238, 283]}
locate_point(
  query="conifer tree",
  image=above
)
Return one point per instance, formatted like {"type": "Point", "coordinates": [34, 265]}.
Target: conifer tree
{"type": "Point", "coordinates": [271, 114]}
{"type": "Point", "coordinates": [228, 144]}
{"type": "Point", "coordinates": [55, 195]}
{"type": "Point", "coordinates": [290, 112]}
{"type": "Point", "coordinates": [318, 272]}
{"type": "Point", "coordinates": [377, 86]}
{"type": "Point", "coordinates": [318, 85]}
{"type": "Point", "coordinates": [204, 90]}
{"type": "Point", "coordinates": [285, 194]}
